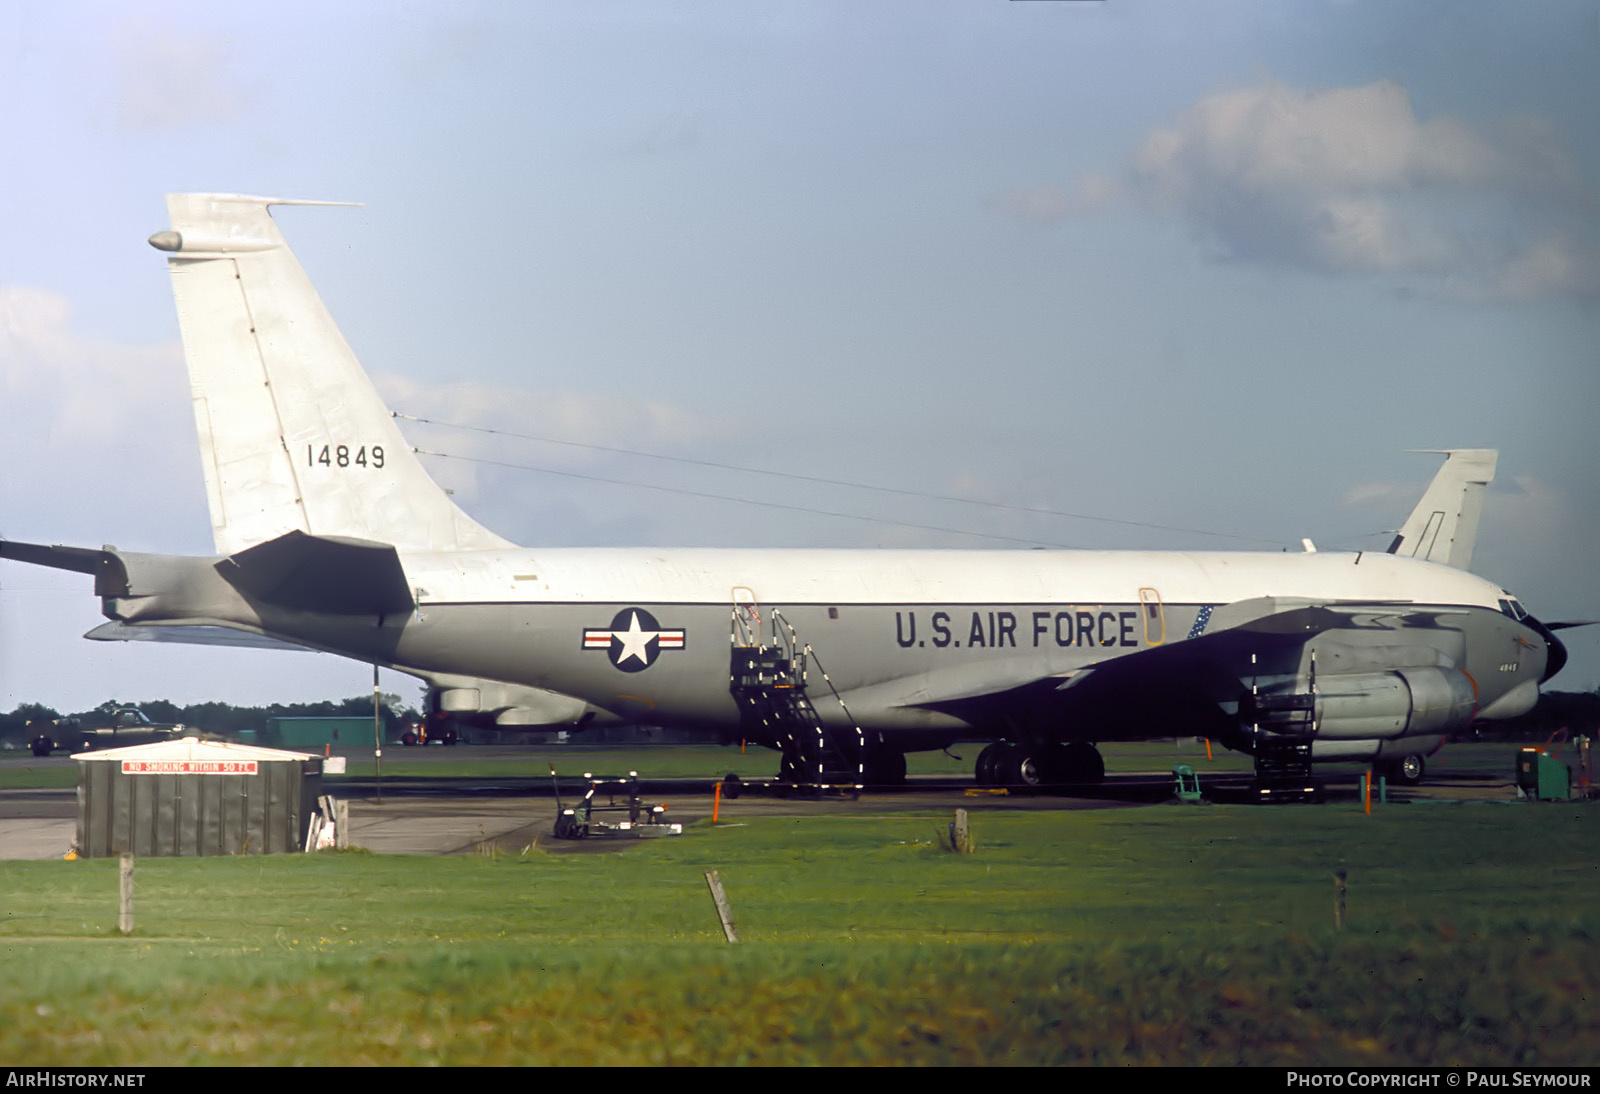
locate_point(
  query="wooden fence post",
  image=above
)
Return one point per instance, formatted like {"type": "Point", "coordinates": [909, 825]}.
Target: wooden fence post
{"type": "Point", "coordinates": [125, 910]}
{"type": "Point", "coordinates": [724, 913]}
{"type": "Point", "coordinates": [961, 834]}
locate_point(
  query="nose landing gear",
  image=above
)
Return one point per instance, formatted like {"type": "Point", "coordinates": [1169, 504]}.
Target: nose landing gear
{"type": "Point", "coordinates": [1407, 770]}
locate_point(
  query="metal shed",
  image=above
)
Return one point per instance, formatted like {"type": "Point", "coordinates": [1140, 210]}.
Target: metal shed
{"type": "Point", "coordinates": [316, 732]}
{"type": "Point", "coordinates": [194, 797]}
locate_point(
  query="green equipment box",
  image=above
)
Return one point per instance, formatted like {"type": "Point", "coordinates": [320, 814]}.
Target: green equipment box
{"type": "Point", "coordinates": [316, 732]}
{"type": "Point", "coordinates": [1543, 777]}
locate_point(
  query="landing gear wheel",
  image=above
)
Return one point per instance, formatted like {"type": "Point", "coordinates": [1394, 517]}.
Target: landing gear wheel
{"type": "Point", "coordinates": [886, 768]}
{"type": "Point", "coordinates": [1083, 763]}
{"type": "Point", "coordinates": [42, 746]}
{"type": "Point", "coordinates": [1017, 767]}
{"type": "Point", "coordinates": [985, 768]}
{"type": "Point", "coordinates": [1407, 770]}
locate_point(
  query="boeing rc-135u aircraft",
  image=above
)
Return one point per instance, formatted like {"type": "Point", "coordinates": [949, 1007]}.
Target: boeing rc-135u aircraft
{"type": "Point", "coordinates": [331, 535]}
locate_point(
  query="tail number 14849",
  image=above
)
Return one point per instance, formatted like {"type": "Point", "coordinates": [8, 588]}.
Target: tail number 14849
{"type": "Point", "coordinates": [342, 455]}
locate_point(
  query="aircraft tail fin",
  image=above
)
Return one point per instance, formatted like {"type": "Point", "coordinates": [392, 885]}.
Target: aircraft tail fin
{"type": "Point", "coordinates": [1444, 525]}
{"type": "Point", "coordinates": [293, 435]}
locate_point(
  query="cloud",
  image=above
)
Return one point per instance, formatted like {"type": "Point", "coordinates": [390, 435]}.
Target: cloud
{"type": "Point", "coordinates": [1043, 204]}
{"type": "Point", "coordinates": [1547, 518]}
{"type": "Point", "coordinates": [109, 425]}
{"type": "Point", "coordinates": [577, 416]}
{"type": "Point", "coordinates": [172, 80]}
{"type": "Point", "coordinates": [517, 432]}
{"type": "Point", "coordinates": [96, 436]}
{"type": "Point", "coordinates": [73, 386]}
{"type": "Point", "coordinates": [1350, 181]}
{"type": "Point", "coordinates": [1552, 264]}
{"type": "Point", "coordinates": [1533, 530]}
{"type": "Point", "coordinates": [1367, 493]}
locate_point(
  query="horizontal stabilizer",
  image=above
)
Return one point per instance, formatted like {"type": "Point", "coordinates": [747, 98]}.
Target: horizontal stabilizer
{"type": "Point", "coordinates": [80, 559]}
{"type": "Point", "coordinates": [322, 574]}
{"type": "Point", "coordinates": [110, 578]}
{"type": "Point", "coordinates": [118, 631]}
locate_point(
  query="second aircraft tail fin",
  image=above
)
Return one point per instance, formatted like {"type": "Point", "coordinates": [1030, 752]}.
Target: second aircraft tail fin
{"type": "Point", "coordinates": [293, 435]}
{"type": "Point", "coordinates": [1444, 525]}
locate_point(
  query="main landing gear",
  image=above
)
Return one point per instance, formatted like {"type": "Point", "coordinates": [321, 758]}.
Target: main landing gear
{"type": "Point", "coordinates": [1007, 763]}
{"type": "Point", "coordinates": [885, 767]}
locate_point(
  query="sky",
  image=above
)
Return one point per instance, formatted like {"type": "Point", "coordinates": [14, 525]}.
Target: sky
{"type": "Point", "coordinates": [1198, 274]}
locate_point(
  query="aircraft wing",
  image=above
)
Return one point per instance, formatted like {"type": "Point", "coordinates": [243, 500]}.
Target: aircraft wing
{"type": "Point", "coordinates": [1155, 690]}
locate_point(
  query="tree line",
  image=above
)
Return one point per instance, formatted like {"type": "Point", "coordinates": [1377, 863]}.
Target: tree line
{"type": "Point", "coordinates": [1577, 712]}
{"type": "Point", "coordinates": [220, 719]}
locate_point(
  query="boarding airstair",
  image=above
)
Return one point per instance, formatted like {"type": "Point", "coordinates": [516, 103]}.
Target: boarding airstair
{"type": "Point", "coordinates": [1282, 726]}
{"type": "Point", "coordinates": [768, 678]}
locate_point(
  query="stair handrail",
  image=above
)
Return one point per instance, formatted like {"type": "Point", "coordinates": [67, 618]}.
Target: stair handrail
{"type": "Point", "coordinates": [742, 633]}
{"type": "Point", "coordinates": [809, 652]}
{"type": "Point", "coordinates": [861, 737]}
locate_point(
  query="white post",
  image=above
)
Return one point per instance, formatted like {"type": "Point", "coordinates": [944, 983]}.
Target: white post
{"type": "Point", "coordinates": [125, 911]}
{"type": "Point", "coordinates": [961, 833]}
{"type": "Point", "coordinates": [724, 913]}
{"type": "Point", "coordinates": [377, 731]}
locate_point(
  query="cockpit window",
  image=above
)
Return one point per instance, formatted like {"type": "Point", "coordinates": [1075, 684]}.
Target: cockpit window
{"type": "Point", "coordinates": [1513, 609]}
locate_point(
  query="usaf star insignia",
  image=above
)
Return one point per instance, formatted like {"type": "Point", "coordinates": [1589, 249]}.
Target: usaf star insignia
{"type": "Point", "coordinates": [634, 640]}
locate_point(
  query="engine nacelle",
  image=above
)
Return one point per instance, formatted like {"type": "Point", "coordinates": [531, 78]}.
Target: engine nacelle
{"type": "Point", "coordinates": [1356, 750]}
{"type": "Point", "coordinates": [1403, 703]}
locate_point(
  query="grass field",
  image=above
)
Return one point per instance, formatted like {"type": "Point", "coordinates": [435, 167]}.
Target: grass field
{"type": "Point", "coordinates": [16, 774]}
{"type": "Point", "coordinates": [1157, 935]}
{"type": "Point", "coordinates": [713, 761]}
